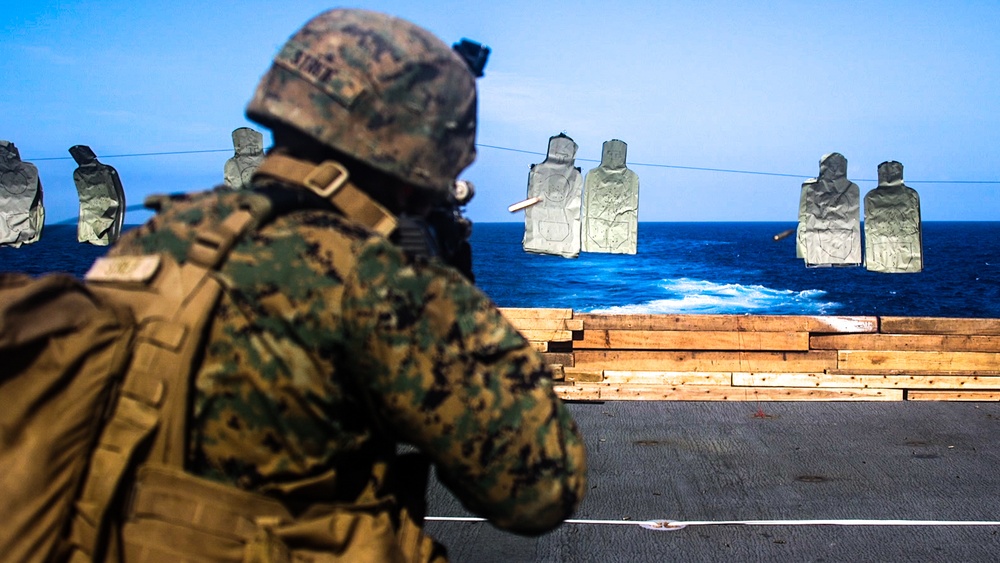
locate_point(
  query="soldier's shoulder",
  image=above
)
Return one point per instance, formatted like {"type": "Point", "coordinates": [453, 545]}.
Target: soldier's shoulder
{"type": "Point", "coordinates": [176, 219]}
{"type": "Point", "coordinates": [321, 235]}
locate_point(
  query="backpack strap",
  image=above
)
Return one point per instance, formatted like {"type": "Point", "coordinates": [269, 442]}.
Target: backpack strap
{"type": "Point", "coordinates": [172, 309]}
{"type": "Point", "coordinates": [201, 292]}
{"type": "Point", "coordinates": [331, 181]}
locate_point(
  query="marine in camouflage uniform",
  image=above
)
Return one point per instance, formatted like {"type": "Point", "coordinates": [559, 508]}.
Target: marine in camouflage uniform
{"type": "Point", "coordinates": [331, 346]}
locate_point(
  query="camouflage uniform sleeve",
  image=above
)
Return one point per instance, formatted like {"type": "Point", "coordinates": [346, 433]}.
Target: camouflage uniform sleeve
{"type": "Point", "coordinates": [448, 374]}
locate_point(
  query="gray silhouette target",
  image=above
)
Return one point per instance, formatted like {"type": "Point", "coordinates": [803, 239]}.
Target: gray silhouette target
{"type": "Point", "coordinates": [552, 226]}
{"type": "Point", "coordinates": [611, 204]}
{"type": "Point", "coordinates": [248, 145]}
{"type": "Point", "coordinates": [102, 198]}
{"type": "Point", "coordinates": [893, 239]}
{"type": "Point", "coordinates": [829, 229]}
{"type": "Point", "coordinates": [22, 214]}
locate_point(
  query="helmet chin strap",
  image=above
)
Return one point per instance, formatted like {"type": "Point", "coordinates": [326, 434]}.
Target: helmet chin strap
{"type": "Point", "coordinates": [331, 181]}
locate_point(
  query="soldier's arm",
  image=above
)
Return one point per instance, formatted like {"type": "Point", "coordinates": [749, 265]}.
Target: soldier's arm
{"type": "Point", "coordinates": [447, 373]}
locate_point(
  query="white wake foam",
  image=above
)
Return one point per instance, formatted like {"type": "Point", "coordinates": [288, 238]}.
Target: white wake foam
{"type": "Point", "coordinates": [685, 296]}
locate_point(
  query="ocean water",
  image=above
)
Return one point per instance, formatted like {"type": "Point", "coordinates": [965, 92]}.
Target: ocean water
{"type": "Point", "coordinates": [686, 268]}
{"type": "Point", "coordinates": [738, 268]}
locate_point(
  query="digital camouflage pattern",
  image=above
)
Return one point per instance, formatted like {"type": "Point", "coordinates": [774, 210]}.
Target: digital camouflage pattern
{"type": "Point", "coordinates": [379, 89]}
{"type": "Point", "coordinates": [329, 348]}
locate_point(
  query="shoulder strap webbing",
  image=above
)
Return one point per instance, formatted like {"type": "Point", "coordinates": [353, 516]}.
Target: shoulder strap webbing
{"type": "Point", "coordinates": [200, 291]}
{"type": "Point", "coordinates": [331, 181]}
{"type": "Point", "coordinates": [172, 311]}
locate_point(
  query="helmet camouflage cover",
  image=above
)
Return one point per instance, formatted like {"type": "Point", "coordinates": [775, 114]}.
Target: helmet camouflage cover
{"type": "Point", "coordinates": [379, 89]}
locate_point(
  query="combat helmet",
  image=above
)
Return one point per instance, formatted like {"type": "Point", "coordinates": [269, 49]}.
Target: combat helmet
{"type": "Point", "coordinates": [379, 89]}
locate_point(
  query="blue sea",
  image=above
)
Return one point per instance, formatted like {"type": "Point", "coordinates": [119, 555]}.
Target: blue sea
{"type": "Point", "coordinates": [686, 268]}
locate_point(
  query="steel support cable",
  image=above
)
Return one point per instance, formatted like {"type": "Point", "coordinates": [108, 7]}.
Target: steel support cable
{"type": "Point", "coordinates": [733, 171]}
{"type": "Point", "coordinates": [509, 149]}
{"type": "Point", "coordinates": [129, 155]}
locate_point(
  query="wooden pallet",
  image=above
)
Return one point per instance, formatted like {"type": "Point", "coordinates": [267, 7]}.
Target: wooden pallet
{"type": "Point", "coordinates": [765, 357]}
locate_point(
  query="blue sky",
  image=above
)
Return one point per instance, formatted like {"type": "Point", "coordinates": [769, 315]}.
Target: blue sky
{"type": "Point", "coordinates": [768, 87]}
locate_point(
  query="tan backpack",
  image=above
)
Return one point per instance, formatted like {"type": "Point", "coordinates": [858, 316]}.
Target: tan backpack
{"type": "Point", "coordinates": [94, 378]}
{"type": "Point", "coordinates": [88, 371]}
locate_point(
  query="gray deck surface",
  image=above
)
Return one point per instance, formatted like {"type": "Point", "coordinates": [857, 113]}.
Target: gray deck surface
{"type": "Point", "coordinates": [723, 461]}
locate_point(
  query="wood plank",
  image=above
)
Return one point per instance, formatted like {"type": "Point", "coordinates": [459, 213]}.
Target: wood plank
{"type": "Point", "coordinates": [600, 339]}
{"type": "Point", "coordinates": [558, 372]}
{"type": "Point", "coordinates": [532, 313]}
{"type": "Point", "coordinates": [642, 360]}
{"type": "Point", "coordinates": [567, 360]}
{"type": "Point", "coordinates": [881, 361]}
{"type": "Point", "coordinates": [668, 393]}
{"type": "Point", "coordinates": [577, 393]}
{"type": "Point", "coordinates": [546, 324]}
{"type": "Point", "coordinates": [940, 373]}
{"type": "Point", "coordinates": [539, 346]}
{"type": "Point", "coordinates": [603, 392]}
{"type": "Point", "coordinates": [749, 323]}
{"type": "Point", "coordinates": [939, 325]}
{"type": "Point", "coordinates": [825, 324]}
{"type": "Point", "coordinates": [904, 342]}
{"type": "Point", "coordinates": [871, 381]}
{"type": "Point", "coordinates": [547, 335]}
{"type": "Point", "coordinates": [672, 378]}
{"type": "Point", "coordinates": [780, 394]}
{"type": "Point", "coordinates": [577, 374]}
{"type": "Point", "coordinates": [952, 396]}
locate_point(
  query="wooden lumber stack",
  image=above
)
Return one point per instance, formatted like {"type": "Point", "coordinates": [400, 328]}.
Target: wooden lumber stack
{"type": "Point", "coordinates": [764, 357]}
{"type": "Point", "coordinates": [551, 332]}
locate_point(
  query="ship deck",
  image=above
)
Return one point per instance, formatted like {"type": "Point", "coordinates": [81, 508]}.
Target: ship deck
{"type": "Point", "coordinates": [886, 426]}
{"type": "Point", "coordinates": [880, 461]}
